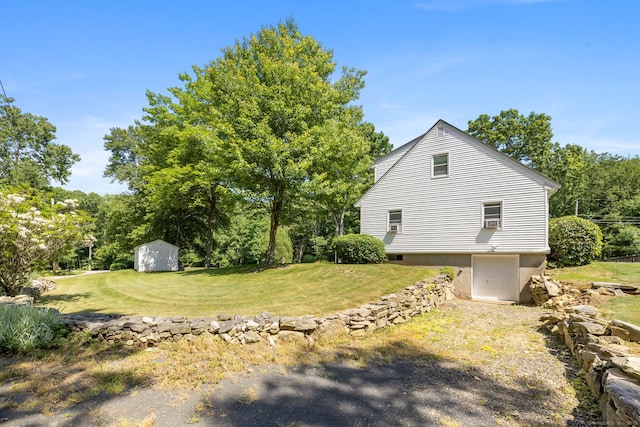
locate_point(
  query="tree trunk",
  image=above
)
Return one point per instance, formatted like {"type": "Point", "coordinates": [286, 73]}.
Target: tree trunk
{"type": "Point", "coordinates": [211, 223]}
{"type": "Point", "coordinates": [338, 220]}
{"type": "Point", "coordinates": [276, 210]}
{"type": "Point", "coordinates": [300, 251]}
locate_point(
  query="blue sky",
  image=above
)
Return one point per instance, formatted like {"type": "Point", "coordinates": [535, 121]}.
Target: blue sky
{"type": "Point", "coordinates": [85, 65]}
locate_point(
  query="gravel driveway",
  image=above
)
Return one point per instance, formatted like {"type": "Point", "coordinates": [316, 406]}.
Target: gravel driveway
{"type": "Point", "coordinates": [464, 379]}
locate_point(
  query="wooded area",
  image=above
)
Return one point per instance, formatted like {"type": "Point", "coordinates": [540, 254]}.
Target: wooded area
{"type": "Point", "coordinates": [259, 156]}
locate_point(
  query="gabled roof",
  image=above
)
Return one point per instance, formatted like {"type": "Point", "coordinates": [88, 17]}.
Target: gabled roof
{"type": "Point", "coordinates": [409, 144]}
{"type": "Point", "coordinates": [157, 240]}
{"type": "Point", "coordinates": [548, 182]}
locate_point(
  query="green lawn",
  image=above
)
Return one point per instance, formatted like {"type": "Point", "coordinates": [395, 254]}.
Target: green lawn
{"type": "Point", "coordinates": [295, 290]}
{"type": "Point", "coordinates": [618, 272]}
{"type": "Point", "coordinates": [623, 308]}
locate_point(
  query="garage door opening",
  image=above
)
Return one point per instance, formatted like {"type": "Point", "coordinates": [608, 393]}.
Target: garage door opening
{"type": "Point", "coordinates": [496, 277]}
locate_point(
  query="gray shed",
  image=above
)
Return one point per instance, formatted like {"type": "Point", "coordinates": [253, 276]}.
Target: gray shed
{"type": "Point", "coordinates": [156, 256]}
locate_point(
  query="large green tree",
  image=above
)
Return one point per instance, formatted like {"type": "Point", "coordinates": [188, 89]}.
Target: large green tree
{"type": "Point", "coordinates": [27, 153]}
{"type": "Point", "coordinates": [126, 148]}
{"type": "Point", "coordinates": [524, 138]}
{"type": "Point", "coordinates": [276, 103]}
{"type": "Point", "coordinates": [339, 184]}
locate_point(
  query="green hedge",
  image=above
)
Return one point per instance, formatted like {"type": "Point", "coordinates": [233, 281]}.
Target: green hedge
{"type": "Point", "coordinates": [117, 266]}
{"type": "Point", "coordinates": [359, 249]}
{"type": "Point", "coordinates": [24, 327]}
{"type": "Point", "coordinates": [573, 241]}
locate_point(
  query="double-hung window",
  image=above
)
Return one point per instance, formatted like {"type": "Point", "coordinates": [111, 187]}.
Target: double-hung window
{"type": "Point", "coordinates": [492, 215]}
{"type": "Point", "coordinates": [440, 164]}
{"type": "Point", "coordinates": [395, 221]}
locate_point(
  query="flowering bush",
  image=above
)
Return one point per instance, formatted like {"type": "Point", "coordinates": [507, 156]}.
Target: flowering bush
{"type": "Point", "coordinates": [30, 236]}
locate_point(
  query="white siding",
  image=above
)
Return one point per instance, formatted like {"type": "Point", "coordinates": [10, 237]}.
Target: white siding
{"type": "Point", "coordinates": [383, 164]}
{"type": "Point", "coordinates": [444, 215]}
{"type": "Point", "coordinates": [156, 256]}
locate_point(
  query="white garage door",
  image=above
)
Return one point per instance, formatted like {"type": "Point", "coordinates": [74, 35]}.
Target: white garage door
{"type": "Point", "coordinates": [495, 277]}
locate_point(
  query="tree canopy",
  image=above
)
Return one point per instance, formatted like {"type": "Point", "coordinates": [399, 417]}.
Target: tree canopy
{"type": "Point", "coordinates": [287, 121]}
{"type": "Point", "coordinates": [524, 138]}
{"type": "Point", "coordinates": [27, 153]}
{"type": "Point", "coordinates": [267, 122]}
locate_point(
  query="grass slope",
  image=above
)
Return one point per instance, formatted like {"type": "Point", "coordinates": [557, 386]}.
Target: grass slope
{"type": "Point", "coordinates": [295, 290]}
{"type": "Point", "coordinates": [619, 272]}
{"type": "Point", "coordinates": [623, 308]}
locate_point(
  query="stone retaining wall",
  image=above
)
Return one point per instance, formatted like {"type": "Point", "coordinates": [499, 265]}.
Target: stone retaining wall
{"type": "Point", "coordinates": [604, 352]}
{"type": "Point", "coordinates": [234, 329]}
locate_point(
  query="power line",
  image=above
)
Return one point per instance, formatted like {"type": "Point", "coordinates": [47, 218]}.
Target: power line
{"type": "Point", "coordinates": [3, 91]}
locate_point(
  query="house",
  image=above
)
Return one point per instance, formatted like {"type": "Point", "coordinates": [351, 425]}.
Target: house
{"type": "Point", "coordinates": [156, 256]}
{"type": "Point", "coordinates": [447, 199]}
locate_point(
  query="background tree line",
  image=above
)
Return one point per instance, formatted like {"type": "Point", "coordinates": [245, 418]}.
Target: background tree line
{"type": "Point", "coordinates": [259, 156]}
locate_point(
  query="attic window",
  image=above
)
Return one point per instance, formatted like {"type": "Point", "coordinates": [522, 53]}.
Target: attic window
{"type": "Point", "coordinates": [440, 165]}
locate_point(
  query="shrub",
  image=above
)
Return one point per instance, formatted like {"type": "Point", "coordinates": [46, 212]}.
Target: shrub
{"type": "Point", "coordinates": [117, 266]}
{"type": "Point", "coordinates": [574, 241]}
{"type": "Point", "coordinates": [24, 327]}
{"type": "Point", "coordinates": [308, 258]}
{"type": "Point", "coordinates": [190, 258]}
{"type": "Point", "coordinates": [359, 249]}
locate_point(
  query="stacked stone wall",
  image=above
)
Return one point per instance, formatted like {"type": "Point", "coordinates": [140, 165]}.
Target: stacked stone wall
{"type": "Point", "coordinates": [606, 350]}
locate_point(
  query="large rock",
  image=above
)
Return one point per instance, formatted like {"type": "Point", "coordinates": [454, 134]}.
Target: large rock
{"type": "Point", "coordinates": [588, 328]}
{"type": "Point", "coordinates": [584, 310]}
{"type": "Point", "coordinates": [297, 324]}
{"type": "Point", "coordinates": [612, 286]}
{"type": "Point", "coordinates": [135, 326]}
{"type": "Point", "coordinates": [180, 329]}
{"type": "Point", "coordinates": [630, 365]}
{"type": "Point", "coordinates": [226, 326]}
{"type": "Point", "coordinates": [621, 400]}
{"type": "Point", "coordinates": [251, 337]}
{"type": "Point", "coordinates": [606, 352]}
{"type": "Point", "coordinates": [625, 330]}
{"type": "Point", "coordinates": [543, 289]}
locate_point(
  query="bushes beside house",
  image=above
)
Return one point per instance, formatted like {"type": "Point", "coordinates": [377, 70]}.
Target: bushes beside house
{"type": "Point", "coordinates": [359, 249]}
{"type": "Point", "coordinates": [573, 241]}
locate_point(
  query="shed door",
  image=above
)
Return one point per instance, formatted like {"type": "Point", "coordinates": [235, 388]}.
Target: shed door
{"type": "Point", "coordinates": [496, 277]}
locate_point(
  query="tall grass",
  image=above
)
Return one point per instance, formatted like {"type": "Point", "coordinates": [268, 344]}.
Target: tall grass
{"type": "Point", "coordinates": [24, 327]}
